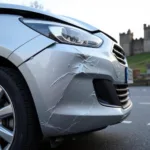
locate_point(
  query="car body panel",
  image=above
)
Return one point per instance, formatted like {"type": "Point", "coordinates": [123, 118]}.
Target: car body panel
{"type": "Point", "coordinates": [50, 15]}
{"type": "Point", "coordinates": [56, 77]}
{"type": "Point", "coordinates": [30, 49]}
{"type": "Point", "coordinates": [9, 35]}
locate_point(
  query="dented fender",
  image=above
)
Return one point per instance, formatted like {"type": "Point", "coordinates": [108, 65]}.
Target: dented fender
{"type": "Point", "coordinates": [57, 76]}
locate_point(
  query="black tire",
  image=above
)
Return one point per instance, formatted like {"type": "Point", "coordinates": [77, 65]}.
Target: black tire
{"type": "Point", "coordinates": [27, 130]}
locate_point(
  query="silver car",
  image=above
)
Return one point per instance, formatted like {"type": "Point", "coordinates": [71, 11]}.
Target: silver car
{"type": "Point", "coordinates": [58, 76]}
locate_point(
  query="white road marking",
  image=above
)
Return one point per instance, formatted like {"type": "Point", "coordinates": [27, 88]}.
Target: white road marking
{"type": "Point", "coordinates": [145, 103]}
{"type": "Point", "coordinates": [127, 122]}
{"type": "Point", "coordinates": [148, 124]}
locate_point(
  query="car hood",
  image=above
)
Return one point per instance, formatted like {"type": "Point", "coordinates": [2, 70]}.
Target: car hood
{"type": "Point", "coordinates": [30, 12]}
{"type": "Point", "coordinates": [18, 9]}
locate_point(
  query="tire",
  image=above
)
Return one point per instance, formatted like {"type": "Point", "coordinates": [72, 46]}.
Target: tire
{"type": "Point", "coordinates": [26, 130]}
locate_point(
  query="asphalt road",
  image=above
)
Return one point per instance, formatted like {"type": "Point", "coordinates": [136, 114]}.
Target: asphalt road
{"type": "Point", "coordinates": [131, 134]}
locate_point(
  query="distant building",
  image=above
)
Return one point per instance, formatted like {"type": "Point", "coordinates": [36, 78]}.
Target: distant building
{"type": "Point", "coordinates": [133, 46]}
{"type": "Point", "coordinates": [148, 68]}
{"type": "Point", "coordinates": [136, 73]}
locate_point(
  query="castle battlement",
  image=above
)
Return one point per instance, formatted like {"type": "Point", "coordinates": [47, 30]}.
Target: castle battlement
{"type": "Point", "coordinates": [138, 39]}
{"type": "Point", "coordinates": [132, 45]}
{"type": "Point", "coordinates": [123, 33]}
{"type": "Point", "coordinates": [146, 26]}
{"type": "Point", "coordinates": [128, 33]}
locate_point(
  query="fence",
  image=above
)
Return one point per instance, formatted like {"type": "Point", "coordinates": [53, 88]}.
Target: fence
{"type": "Point", "coordinates": [141, 82]}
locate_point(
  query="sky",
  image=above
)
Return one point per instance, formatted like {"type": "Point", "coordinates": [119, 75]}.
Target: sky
{"type": "Point", "coordinates": [110, 16]}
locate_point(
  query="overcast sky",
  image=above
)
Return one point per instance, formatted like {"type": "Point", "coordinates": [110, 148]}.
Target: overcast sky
{"type": "Point", "coordinates": [111, 16]}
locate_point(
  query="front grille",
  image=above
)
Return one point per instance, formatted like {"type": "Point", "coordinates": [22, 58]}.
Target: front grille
{"type": "Point", "coordinates": [123, 94]}
{"type": "Point", "coordinates": [119, 54]}
{"type": "Point", "coordinates": [106, 92]}
{"type": "Point", "coordinates": [110, 94]}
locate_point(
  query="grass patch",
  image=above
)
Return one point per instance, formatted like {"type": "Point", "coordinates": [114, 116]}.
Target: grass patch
{"type": "Point", "coordinates": [139, 61]}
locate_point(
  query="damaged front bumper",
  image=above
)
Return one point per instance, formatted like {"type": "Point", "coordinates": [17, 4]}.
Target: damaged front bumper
{"type": "Point", "coordinates": [61, 78]}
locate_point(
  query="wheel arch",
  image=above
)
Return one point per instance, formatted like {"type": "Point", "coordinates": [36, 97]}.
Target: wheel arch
{"type": "Point", "coordinates": [8, 64]}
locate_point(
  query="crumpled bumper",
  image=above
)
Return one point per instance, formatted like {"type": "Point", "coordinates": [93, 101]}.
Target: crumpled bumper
{"type": "Point", "coordinates": [61, 82]}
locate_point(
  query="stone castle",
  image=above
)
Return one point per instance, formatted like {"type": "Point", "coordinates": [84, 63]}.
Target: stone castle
{"type": "Point", "coordinates": [133, 46]}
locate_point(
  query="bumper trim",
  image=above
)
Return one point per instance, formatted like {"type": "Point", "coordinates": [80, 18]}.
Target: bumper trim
{"type": "Point", "coordinates": [108, 94]}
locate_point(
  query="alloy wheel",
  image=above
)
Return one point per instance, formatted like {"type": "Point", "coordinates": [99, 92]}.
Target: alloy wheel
{"type": "Point", "coordinates": [7, 120]}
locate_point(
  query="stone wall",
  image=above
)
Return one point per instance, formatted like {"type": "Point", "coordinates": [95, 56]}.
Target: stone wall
{"type": "Point", "coordinates": [126, 41]}
{"type": "Point", "coordinates": [146, 45]}
{"type": "Point", "coordinates": [146, 38]}
{"type": "Point", "coordinates": [126, 48]}
{"type": "Point", "coordinates": [138, 46]}
{"type": "Point", "coordinates": [134, 46]}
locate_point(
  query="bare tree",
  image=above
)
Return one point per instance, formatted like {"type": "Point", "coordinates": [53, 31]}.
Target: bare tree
{"type": "Point", "coordinates": [36, 4]}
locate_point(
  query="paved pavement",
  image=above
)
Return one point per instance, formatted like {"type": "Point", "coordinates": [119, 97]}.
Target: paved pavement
{"type": "Point", "coordinates": [131, 134]}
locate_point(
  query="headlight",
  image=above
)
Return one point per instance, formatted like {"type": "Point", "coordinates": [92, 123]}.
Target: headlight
{"type": "Point", "coordinates": [64, 33]}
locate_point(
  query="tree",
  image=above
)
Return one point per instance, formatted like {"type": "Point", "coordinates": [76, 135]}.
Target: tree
{"type": "Point", "coordinates": [36, 4]}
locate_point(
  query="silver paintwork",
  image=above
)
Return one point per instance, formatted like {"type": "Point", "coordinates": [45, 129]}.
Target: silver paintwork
{"type": "Point", "coordinates": [5, 112]}
{"type": "Point", "coordinates": [11, 39]}
{"type": "Point", "coordinates": [60, 78]}
{"type": "Point", "coordinates": [65, 70]}
{"type": "Point", "coordinates": [33, 47]}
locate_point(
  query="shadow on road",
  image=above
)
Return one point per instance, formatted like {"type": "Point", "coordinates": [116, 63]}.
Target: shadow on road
{"type": "Point", "coordinates": [92, 141]}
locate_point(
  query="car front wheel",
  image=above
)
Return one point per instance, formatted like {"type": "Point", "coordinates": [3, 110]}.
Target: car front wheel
{"type": "Point", "coordinates": [19, 127]}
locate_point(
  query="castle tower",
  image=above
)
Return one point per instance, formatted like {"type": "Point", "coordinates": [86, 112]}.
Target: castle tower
{"type": "Point", "coordinates": [146, 38]}
{"type": "Point", "coordinates": [126, 42]}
